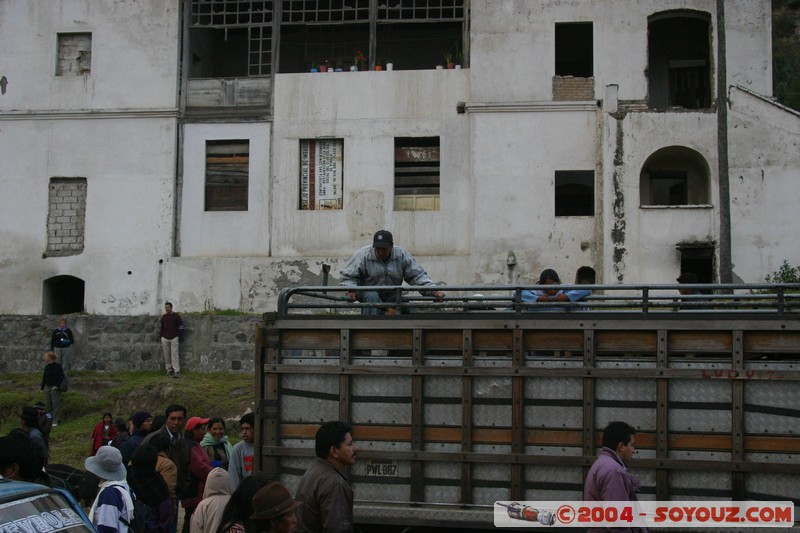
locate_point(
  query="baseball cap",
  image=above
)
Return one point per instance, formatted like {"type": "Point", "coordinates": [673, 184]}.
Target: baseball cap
{"type": "Point", "coordinates": [196, 421]}
{"type": "Point", "coordinates": [382, 239]}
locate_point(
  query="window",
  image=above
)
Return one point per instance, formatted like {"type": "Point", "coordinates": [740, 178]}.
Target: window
{"type": "Point", "coordinates": [227, 175]}
{"type": "Point", "coordinates": [574, 193]}
{"type": "Point", "coordinates": [668, 188]}
{"type": "Point", "coordinates": [698, 258]}
{"type": "Point", "coordinates": [674, 176]}
{"type": "Point", "coordinates": [62, 295]}
{"type": "Point", "coordinates": [412, 34]}
{"type": "Point", "coordinates": [574, 62]}
{"type": "Point", "coordinates": [574, 56]}
{"type": "Point", "coordinates": [679, 60]}
{"type": "Point", "coordinates": [74, 54]}
{"type": "Point", "coordinates": [66, 216]}
{"type": "Point", "coordinates": [416, 173]}
{"type": "Point", "coordinates": [230, 38]}
{"type": "Point", "coordinates": [321, 180]}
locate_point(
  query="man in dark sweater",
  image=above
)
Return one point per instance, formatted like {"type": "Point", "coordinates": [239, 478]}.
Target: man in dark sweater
{"type": "Point", "coordinates": [142, 422]}
{"type": "Point", "coordinates": [171, 331]}
{"type": "Point", "coordinates": [52, 378]}
{"type": "Point", "coordinates": [61, 342]}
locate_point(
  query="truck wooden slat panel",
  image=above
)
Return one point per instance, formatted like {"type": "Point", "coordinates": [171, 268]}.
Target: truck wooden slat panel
{"type": "Point", "coordinates": [458, 409]}
{"type": "Point", "coordinates": [553, 340]}
{"type": "Point", "coordinates": [380, 339]}
{"type": "Point", "coordinates": [442, 340]}
{"type": "Point", "coordinates": [625, 341]}
{"type": "Point", "coordinates": [766, 342]}
{"type": "Point", "coordinates": [310, 339]}
{"type": "Point", "coordinates": [700, 342]}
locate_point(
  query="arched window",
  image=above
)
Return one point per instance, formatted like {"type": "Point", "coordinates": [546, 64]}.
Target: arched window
{"type": "Point", "coordinates": [679, 60]}
{"type": "Point", "coordinates": [675, 175]}
{"type": "Point", "coordinates": [62, 295]}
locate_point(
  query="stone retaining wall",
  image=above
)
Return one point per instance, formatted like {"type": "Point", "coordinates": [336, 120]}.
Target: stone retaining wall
{"type": "Point", "coordinates": [212, 343]}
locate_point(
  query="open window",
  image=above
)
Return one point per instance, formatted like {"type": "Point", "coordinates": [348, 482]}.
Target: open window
{"type": "Point", "coordinates": [227, 175]}
{"type": "Point", "coordinates": [62, 295]}
{"type": "Point", "coordinates": [574, 66]}
{"type": "Point", "coordinates": [698, 258]}
{"type": "Point", "coordinates": [230, 38]}
{"type": "Point", "coordinates": [574, 193]}
{"type": "Point", "coordinates": [411, 34]}
{"type": "Point", "coordinates": [675, 176]}
{"type": "Point", "coordinates": [679, 60]}
{"type": "Point", "coordinates": [416, 173]}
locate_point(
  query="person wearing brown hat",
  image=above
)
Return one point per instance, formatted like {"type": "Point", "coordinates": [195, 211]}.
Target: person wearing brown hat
{"type": "Point", "coordinates": [274, 509]}
{"type": "Point", "coordinates": [384, 263]}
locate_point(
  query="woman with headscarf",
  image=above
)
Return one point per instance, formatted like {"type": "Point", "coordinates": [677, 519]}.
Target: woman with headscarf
{"type": "Point", "coordinates": [149, 488]}
{"type": "Point", "coordinates": [216, 445]}
{"type": "Point", "coordinates": [216, 495]}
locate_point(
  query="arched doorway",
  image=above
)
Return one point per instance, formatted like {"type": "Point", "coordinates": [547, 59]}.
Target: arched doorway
{"type": "Point", "coordinates": [62, 295]}
{"type": "Point", "coordinates": [679, 60]}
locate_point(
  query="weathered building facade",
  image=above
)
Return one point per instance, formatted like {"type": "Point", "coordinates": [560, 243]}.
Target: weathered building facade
{"type": "Point", "coordinates": [176, 150]}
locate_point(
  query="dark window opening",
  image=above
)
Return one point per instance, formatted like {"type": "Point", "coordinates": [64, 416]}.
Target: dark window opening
{"type": "Point", "coordinates": [668, 188]}
{"type": "Point", "coordinates": [233, 38]}
{"type": "Point", "coordinates": [574, 193]}
{"type": "Point", "coordinates": [227, 175]}
{"type": "Point", "coordinates": [698, 260]}
{"type": "Point", "coordinates": [674, 176]}
{"type": "Point", "coordinates": [679, 61]}
{"type": "Point", "coordinates": [62, 295]}
{"type": "Point", "coordinates": [230, 38]}
{"type": "Point", "coordinates": [419, 46]}
{"type": "Point", "coordinates": [574, 49]}
{"type": "Point", "coordinates": [304, 47]}
{"type": "Point", "coordinates": [407, 46]}
{"type": "Point", "coordinates": [416, 173]}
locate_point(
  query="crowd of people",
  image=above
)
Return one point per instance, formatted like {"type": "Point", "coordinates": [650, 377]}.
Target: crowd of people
{"type": "Point", "coordinates": [154, 466]}
{"type": "Point", "coordinates": [148, 469]}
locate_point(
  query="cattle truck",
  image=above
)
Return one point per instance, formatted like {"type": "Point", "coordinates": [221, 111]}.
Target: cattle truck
{"type": "Point", "coordinates": [482, 398]}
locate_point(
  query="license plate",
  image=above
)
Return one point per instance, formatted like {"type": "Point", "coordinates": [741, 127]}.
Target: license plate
{"type": "Point", "coordinates": [382, 467]}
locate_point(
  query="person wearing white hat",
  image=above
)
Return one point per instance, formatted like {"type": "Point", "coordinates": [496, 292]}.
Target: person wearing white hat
{"type": "Point", "coordinates": [112, 509]}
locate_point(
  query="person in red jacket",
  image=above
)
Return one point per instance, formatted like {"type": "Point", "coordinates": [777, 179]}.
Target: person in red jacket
{"type": "Point", "coordinates": [199, 467]}
{"type": "Point", "coordinates": [103, 433]}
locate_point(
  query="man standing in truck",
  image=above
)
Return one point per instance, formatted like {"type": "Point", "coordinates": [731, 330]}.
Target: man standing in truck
{"type": "Point", "coordinates": [609, 480]}
{"type": "Point", "coordinates": [383, 263]}
{"type": "Point", "coordinates": [324, 489]}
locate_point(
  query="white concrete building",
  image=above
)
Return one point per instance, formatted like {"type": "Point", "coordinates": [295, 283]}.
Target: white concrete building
{"type": "Point", "coordinates": [181, 150]}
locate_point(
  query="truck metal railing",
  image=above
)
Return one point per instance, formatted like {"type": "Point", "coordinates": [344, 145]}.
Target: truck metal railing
{"type": "Point", "coordinates": [662, 298]}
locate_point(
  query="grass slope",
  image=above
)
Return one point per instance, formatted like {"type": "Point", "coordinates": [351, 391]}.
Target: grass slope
{"type": "Point", "coordinates": [225, 394]}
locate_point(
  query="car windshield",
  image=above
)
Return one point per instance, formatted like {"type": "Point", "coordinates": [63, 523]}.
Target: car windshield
{"type": "Point", "coordinates": [41, 513]}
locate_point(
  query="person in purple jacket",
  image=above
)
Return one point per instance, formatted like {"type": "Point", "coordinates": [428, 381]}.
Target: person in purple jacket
{"type": "Point", "coordinates": [609, 480]}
